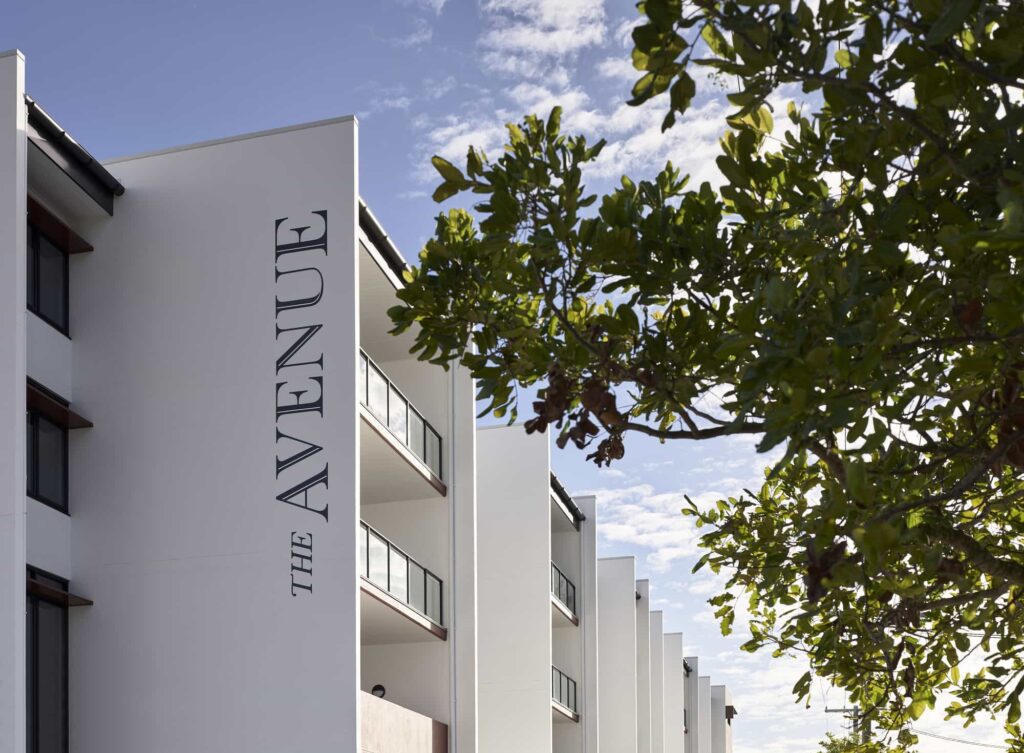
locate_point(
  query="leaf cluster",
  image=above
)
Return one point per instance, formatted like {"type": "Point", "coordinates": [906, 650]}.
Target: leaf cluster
{"type": "Point", "coordinates": [852, 295]}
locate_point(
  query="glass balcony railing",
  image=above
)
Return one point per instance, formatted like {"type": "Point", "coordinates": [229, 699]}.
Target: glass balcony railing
{"type": "Point", "coordinates": [563, 589]}
{"type": "Point", "coordinates": [389, 406]}
{"type": "Point", "coordinates": [388, 567]}
{"type": "Point", "coordinates": [563, 689]}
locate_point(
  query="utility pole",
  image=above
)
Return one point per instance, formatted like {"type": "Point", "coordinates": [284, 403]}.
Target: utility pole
{"type": "Point", "coordinates": [861, 726]}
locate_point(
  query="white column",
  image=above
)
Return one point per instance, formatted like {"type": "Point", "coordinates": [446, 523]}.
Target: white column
{"type": "Point", "coordinates": [657, 643]}
{"type": "Point", "coordinates": [514, 529]}
{"type": "Point", "coordinates": [465, 566]}
{"type": "Point", "coordinates": [589, 623]}
{"type": "Point", "coordinates": [704, 714]}
{"type": "Point", "coordinates": [617, 638]}
{"type": "Point", "coordinates": [674, 739]}
{"type": "Point", "coordinates": [717, 714]}
{"type": "Point", "coordinates": [13, 175]}
{"type": "Point", "coordinates": [691, 701]}
{"type": "Point", "coordinates": [643, 667]}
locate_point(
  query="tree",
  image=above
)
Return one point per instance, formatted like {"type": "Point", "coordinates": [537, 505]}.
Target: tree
{"type": "Point", "coordinates": [851, 294]}
{"type": "Point", "coordinates": [835, 744]}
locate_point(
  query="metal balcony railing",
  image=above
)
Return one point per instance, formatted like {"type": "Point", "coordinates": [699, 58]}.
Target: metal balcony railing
{"type": "Point", "coordinates": [388, 567]}
{"type": "Point", "coordinates": [563, 589]}
{"type": "Point", "coordinates": [389, 406]}
{"type": "Point", "coordinates": [563, 689]}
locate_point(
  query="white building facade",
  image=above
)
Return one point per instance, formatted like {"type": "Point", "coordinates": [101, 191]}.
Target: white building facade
{"type": "Point", "coordinates": [538, 601]}
{"type": "Point", "coordinates": [238, 516]}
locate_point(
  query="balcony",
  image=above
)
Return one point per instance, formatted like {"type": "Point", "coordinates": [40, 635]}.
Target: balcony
{"type": "Point", "coordinates": [393, 582]}
{"type": "Point", "coordinates": [390, 728]}
{"type": "Point", "coordinates": [563, 598]}
{"type": "Point", "coordinates": [391, 424]}
{"type": "Point", "coordinates": [563, 695]}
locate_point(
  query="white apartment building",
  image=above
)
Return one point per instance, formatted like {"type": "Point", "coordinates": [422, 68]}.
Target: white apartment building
{"type": "Point", "coordinates": [538, 601]}
{"type": "Point", "coordinates": [238, 516]}
{"type": "Point", "coordinates": [651, 698]}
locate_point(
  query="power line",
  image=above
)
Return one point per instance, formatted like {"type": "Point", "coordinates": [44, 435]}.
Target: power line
{"type": "Point", "coordinates": [957, 740]}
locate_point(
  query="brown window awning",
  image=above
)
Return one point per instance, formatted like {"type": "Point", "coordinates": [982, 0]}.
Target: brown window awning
{"type": "Point", "coordinates": [41, 400]}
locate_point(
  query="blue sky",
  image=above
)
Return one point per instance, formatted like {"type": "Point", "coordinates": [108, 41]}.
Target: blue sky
{"type": "Point", "coordinates": [425, 77]}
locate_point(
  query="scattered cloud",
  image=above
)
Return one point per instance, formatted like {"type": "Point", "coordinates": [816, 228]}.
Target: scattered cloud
{"type": "Point", "coordinates": [537, 38]}
{"type": "Point", "coordinates": [618, 67]}
{"type": "Point", "coordinates": [422, 32]}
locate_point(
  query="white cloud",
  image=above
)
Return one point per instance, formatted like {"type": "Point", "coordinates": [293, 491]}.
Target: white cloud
{"type": "Point", "coordinates": [618, 67]}
{"type": "Point", "coordinates": [536, 37]}
{"type": "Point", "coordinates": [422, 32]}
{"type": "Point", "coordinates": [642, 148]}
{"type": "Point", "coordinates": [435, 6]}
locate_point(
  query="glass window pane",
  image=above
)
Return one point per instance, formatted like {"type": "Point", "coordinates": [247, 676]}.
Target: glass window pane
{"type": "Point", "coordinates": [399, 587]}
{"type": "Point", "coordinates": [30, 455]}
{"type": "Point", "coordinates": [52, 271]}
{"type": "Point", "coordinates": [433, 609]}
{"type": "Point", "coordinates": [378, 561]}
{"type": "Point", "coordinates": [361, 388]}
{"type": "Point", "coordinates": [52, 451]}
{"type": "Point", "coordinates": [377, 398]}
{"type": "Point", "coordinates": [433, 454]}
{"type": "Point", "coordinates": [33, 302]}
{"type": "Point", "coordinates": [416, 437]}
{"type": "Point", "coordinates": [397, 411]}
{"type": "Point", "coordinates": [417, 588]}
{"type": "Point", "coordinates": [362, 551]}
{"type": "Point", "coordinates": [51, 682]}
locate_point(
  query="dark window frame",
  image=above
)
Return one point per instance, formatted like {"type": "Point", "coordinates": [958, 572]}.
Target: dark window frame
{"type": "Point", "coordinates": [32, 417]}
{"type": "Point", "coordinates": [34, 232]}
{"type": "Point", "coordinates": [32, 660]}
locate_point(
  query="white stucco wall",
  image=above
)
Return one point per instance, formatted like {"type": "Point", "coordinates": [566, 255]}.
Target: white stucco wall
{"type": "Point", "coordinates": [674, 737]}
{"type": "Point", "coordinates": [13, 168]}
{"type": "Point", "coordinates": [515, 633]}
{"type": "Point", "coordinates": [718, 722]}
{"type": "Point", "coordinates": [48, 356]}
{"type": "Point", "coordinates": [643, 667]}
{"type": "Point", "coordinates": [587, 596]}
{"type": "Point", "coordinates": [704, 714]}
{"type": "Point", "coordinates": [464, 609]}
{"type": "Point", "coordinates": [692, 704]}
{"type": "Point", "coordinates": [617, 654]}
{"type": "Point", "coordinates": [657, 664]}
{"type": "Point", "coordinates": [198, 639]}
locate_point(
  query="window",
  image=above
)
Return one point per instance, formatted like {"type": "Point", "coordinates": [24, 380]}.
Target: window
{"type": "Point", "coordinates": [46, 452]}
{"type": "Point", "coordinates": [47, 279]}
{"type": "Point", "coordinates": [47, 669]}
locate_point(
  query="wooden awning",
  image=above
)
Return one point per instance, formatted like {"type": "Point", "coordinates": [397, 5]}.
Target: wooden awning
{"type": "Point", "coordinates": [47, 405]}
{"type": "Point", "coordinates": [56, 595]}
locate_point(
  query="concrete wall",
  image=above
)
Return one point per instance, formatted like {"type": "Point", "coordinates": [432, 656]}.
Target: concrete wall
{"type": "Point", "coordinates": [692, 704]}
{"type": "Point", "coordinates": [587, 596]}
{"type": "Point", "coordinates": [513, 529]}
{"type": "Point", "coordinates": [13, 168]}
{"type": "Point", "coordinates": [203, 635]}
{"type": "Point", "coordinates": [704, 714]}
{"type": "Point", "coordinates": [721, 730]}
{"type": "Point", "coordinates": [657, 664]}
{"type": "Point", "coordinates": [464, 593]}
{"type": "Point", "coordinates": [643, 667]}
{"type": "Point", "coordinates": [617, 654]}
{"type": "Point", "coordinates": [674, 697]}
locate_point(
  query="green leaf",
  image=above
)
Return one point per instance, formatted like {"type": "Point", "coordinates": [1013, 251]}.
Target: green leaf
{"type": "Point", "coordinates": [951, 21]}
{"type": "Point", "coordinates": [447, 170]}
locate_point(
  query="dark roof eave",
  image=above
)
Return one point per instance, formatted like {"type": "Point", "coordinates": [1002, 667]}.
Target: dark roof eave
{"type": "Point", "coordinates": [51, 128]}
{"type": "Point", "coordinates": [385, 246]}
{"type": "Point", "coordinates": [567, 500]}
